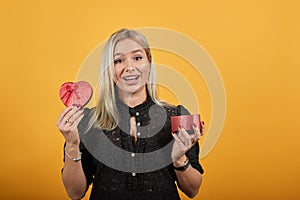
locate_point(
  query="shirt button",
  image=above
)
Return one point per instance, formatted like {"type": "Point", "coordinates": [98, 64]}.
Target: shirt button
{"type": "Point", "coordinates": [132, 155]}
{"type": "Point", "coordinates": [138, 134]}
{"type": "Point", "coordinates": [137, 113]}
{"type": "Point", "coordinates": [138, 123]}
{"type": "Point", "coordinates": [133, 174]}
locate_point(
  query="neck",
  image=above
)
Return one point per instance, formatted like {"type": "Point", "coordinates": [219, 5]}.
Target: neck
{"type": "Point", "coordinates": [133, 99]}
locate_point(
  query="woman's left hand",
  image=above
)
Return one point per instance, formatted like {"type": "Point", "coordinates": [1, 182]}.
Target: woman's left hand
{"type": "Point", "coordinates": [184, 141]}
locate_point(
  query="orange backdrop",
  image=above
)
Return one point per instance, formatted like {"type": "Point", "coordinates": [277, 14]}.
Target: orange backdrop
{"type": "Point", "coordinates": [255, 45]}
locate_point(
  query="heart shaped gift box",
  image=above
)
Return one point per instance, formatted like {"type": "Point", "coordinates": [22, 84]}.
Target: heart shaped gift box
{"type": "Point", "coordinates": [75, 93]}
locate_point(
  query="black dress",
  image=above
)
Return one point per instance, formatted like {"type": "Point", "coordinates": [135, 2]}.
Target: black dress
{"type": "Point", "coordinates": [118, 169]}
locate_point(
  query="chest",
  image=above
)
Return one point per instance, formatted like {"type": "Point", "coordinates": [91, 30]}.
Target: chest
{"type": "Point", "coordinates": [144, 131]}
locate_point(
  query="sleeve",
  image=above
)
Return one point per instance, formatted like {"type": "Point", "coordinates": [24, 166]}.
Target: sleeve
{"type": "Point", "coordinates": [193, 153]}
{"type": "Point", "coordinates": [87, 160]}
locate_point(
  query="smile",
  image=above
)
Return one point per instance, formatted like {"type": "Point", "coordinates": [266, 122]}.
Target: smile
{"type": "Point", "coordinates": [131, 78]}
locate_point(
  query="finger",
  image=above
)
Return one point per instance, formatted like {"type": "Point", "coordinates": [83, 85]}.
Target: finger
{"type": "Point", "coordinates": [196, 136]}
{"type": "Point", "coordinates": [64, 112]}
{"type": "Point", "coordinates": [78, 113]}
{"type": "Point", "coordinates": [202, 128]}
{"type": "Point", "coordinates": [66, 115]}
{"type": "Point", "coordinates": [180, 149]}
{"type": "Point", "coordinates": [202, 131]}
{"type": "Point", "coordinates": [69, 117]}
{"type": "Point", "coordinates": [71, 126]}
{"type": "Point", "coordinates": [185, 137]}
{"type": "Point", "coordinates": [73, 117]}
{"type": "Point", "coordinates": [78, 119]}
{"type": "Point", "coordinates": [177, 139]}
{"type": "Point", "coordinates": [183, 134]}
{"type": "Point", "coordinates": [197, 132]}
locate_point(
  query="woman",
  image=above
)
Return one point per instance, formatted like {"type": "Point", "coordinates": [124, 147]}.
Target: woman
{"type": "Point", "coordinates": [135, 120]}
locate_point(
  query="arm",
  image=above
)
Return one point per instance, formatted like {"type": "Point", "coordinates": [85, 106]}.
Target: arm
{"type": "Point", "coordinates": [189, 180]}
{"type": "Point", "coordinates": [73, 176]}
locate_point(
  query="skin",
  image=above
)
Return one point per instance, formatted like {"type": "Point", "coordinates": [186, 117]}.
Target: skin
{"type": "Point", "coordinates": [131, 67]}
{"type": "Point", "coordinates": [73, 176]}
{"type": "Point", "coordinates": [189, 181]}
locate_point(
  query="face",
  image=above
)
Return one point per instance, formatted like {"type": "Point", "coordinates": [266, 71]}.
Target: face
{"type": "Point", "coordinates": [131, 67]}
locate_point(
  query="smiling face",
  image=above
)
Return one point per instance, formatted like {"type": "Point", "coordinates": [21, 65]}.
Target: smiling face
{"type": "Point", "coordinates": [131, 68]}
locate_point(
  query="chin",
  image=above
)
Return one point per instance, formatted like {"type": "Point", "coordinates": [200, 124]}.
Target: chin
{"type": "Point", "coordinates": [134, 89]}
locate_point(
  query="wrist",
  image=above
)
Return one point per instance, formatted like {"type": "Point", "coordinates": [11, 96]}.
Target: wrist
{"type": "Point", "coordinates": [72, 152]}
{"type": "Point", "coordinates": [184, 166]}
{"type": "Point", "coordinates": [179, 162]}
{"type": "Point", "coordinates": [72, 146]}
{"type": "Point", "coordinates": [74, 155]}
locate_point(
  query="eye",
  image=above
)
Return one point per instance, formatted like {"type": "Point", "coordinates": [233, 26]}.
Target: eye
{"type": "Point", "coordinates": [137, 58]}
{"type": "Point", "coordinates": [117, 61]}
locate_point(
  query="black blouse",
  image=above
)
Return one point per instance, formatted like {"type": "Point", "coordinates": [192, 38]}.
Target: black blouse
{"type": "Point", "coordinates": [119, 170]}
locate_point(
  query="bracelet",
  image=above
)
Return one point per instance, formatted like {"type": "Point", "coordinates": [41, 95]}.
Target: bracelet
{"type": "Point", "coordinates": [73, 159]}
{"type": "Point", "coordinates": [184, 166]}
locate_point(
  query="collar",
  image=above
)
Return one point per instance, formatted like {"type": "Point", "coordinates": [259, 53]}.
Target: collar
{"type": "Point", "coordinates": [124, 108]}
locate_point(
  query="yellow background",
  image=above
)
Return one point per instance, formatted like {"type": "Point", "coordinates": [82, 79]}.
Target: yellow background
{"type": "Point", "coordinates": [255, 45]}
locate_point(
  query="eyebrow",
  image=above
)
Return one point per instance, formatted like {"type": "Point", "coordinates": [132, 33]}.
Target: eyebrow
{"type": "Point", "coordinates": [134, 51]}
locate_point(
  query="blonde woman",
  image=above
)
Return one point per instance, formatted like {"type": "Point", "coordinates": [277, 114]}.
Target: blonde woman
{"type": "Point", "coordinates": [121, 146]}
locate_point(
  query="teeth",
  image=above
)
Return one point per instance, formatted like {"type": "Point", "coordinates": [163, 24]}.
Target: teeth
{"type": "Point", "coordinates": [127, 78]}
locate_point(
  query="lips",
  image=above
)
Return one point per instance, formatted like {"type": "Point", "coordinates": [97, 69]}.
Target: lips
{"type": "Point", "coordinates": [131, 77]}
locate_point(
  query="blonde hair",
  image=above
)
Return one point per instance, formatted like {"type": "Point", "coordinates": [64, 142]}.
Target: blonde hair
{"type": "Point", "coordinates": [106, 115]}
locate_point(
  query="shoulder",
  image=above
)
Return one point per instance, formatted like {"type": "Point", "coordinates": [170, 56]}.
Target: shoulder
{"type": "Point", "coordinates": [88, 114]}
{"type": "Point", "coordinates": [89, 111]}
{"type": "Point", "coordinates": [173, 110]}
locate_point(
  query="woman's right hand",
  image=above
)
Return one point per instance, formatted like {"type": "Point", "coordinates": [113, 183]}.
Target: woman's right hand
{"type": "Point", "coordinates": [67, 124]}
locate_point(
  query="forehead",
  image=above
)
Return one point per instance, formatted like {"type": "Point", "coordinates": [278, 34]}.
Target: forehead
{"type": "Point", "coordinates": [126, 46]}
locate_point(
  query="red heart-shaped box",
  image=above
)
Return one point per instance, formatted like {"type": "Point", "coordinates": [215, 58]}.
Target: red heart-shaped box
{"type": "Point", "coordinates": [185, 121]}
{"type": "Point", "coordinates": [75, 93]}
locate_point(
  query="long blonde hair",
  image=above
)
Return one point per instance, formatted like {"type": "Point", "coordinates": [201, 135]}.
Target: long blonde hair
{"type": "Point", "coordinates": [106, 115]}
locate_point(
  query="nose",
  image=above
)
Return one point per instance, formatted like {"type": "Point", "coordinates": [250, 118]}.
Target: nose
{"type": "Point", "coordinates": [129, 65]}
